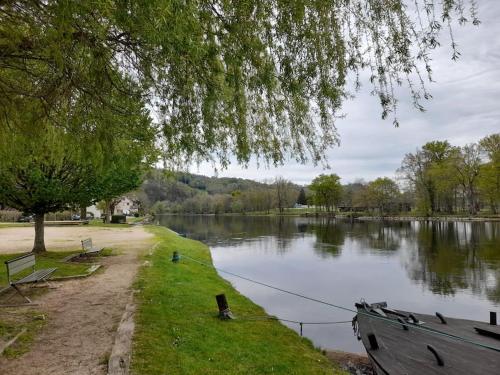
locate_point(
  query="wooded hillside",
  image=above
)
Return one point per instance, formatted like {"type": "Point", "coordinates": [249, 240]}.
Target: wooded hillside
{"type": "Point", "coordinates": [165, 191]}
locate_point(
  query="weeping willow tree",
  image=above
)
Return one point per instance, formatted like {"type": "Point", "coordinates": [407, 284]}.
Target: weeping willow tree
{"type": "Point", "coordinates": [260, 77]}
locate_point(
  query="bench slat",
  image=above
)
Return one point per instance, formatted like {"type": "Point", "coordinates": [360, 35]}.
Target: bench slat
{"type": "Point", "coordinates": [20, 258]}
{"type": "Point", "coordinates": [35, 276]}
{"type": "Point", "coordinates": [88, 248]}
{"type": "Point", "coordinates": [20, 262]}
{"type": "Point", "coordinates": [17, 266]}
{"type": "Point", "coordinates": [87, 244]}
{"type": "Point", "coordinates": [93, 250]}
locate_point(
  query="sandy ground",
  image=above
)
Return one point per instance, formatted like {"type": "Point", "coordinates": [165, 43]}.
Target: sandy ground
{"type": "Point", "coordinates": [20, 240]}
{"type": "Point", "coordinates": [82, 314]}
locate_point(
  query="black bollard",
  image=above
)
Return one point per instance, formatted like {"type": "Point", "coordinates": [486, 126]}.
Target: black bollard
{"type": "Point", "coordinates": [224, 310]}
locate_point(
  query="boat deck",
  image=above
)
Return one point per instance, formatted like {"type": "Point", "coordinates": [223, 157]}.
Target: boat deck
{"type": "Point", "coordinates": [402, 351]}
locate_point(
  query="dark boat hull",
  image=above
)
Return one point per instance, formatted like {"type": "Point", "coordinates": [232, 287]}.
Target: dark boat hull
{"type": "Point", "coordinates": [408, 347]}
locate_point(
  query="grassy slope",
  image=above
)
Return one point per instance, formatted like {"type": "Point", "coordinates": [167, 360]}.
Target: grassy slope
{"type": "Point", "coordinates": [178, 332]}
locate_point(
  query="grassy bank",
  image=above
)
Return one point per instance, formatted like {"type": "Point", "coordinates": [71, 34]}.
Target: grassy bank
{"type": "Point", "coordinates": [178, 331]}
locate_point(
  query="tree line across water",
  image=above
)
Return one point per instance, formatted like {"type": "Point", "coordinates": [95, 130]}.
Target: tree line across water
{"type": "Point", "coordinates": [437, 178]}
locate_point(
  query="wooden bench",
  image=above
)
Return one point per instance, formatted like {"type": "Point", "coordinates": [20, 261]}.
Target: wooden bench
{"type": "Point", "coordinates": [16, 265]}
{"type": "Point", "coordinates": [89, 249]}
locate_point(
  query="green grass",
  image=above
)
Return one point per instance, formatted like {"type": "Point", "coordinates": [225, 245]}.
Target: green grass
{"type": "Point", "coordinates": [133, 219]}
{"type": "Point", "coordinates": [15, 225]}
{"type": "Point", "coordinates": [99, 223]}
{"type": "Point", "coordinates": [107, 252]}
{"type": "Point", "coordinates": [178, 332]}
{"type": "Point", "coordinates": [47, 260]}
{"type": "Point", "coordinates": [13, 321]}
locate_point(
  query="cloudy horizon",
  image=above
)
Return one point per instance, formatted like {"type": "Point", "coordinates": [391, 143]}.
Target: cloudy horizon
{"type": "Point", "coordinates": [464, 109]}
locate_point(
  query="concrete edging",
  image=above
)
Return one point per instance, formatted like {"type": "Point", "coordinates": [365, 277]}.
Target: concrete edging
{"type": "Point", "coordinates": [91, 270]}
{"type": "Point", "coordinates": [119, 360]}
{"type": "Point", "coordinates": [12, 341]}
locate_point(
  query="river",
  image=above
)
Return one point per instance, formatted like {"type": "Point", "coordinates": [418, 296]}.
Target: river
{"type": "Point", "coordinates": [450, 267]}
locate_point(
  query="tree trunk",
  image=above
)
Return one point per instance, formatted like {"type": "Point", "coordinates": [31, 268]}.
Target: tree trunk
{"type": "Point", "coordinates": [110, 210]}
{"type": "Point", "coordinates": [107, 210]}
{"type": "Point", "coordinates": [472, 200]}
{"type": "Point", "coordinates": [83, 213]}
{"type": "Point", "coordinates": [39, 245]}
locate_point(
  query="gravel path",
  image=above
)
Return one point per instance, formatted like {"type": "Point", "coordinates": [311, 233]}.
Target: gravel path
{"type": "Point", "coordinates": [20, 239]}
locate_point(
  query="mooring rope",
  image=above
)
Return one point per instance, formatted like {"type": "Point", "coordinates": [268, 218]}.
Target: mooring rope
{"type": "Point", "coordinates": [275, 318]}
{"type": "Point", "coordinates": [259, 318]}
{"type": "Point", "coordinates": [387, 320]}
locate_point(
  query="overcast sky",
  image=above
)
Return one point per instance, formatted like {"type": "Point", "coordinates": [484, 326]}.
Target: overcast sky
{"type": "Point", "coordinates": [465, 107]}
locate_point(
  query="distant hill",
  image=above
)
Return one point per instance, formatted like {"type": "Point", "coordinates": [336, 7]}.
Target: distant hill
{"type": "Point", "coordinates": [187, 192]}
{"type": "Point", "coordinates": [218, 185]}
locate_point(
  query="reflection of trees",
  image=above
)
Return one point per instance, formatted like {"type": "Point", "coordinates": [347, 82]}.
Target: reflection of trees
{"type": "Point", "coordinates": [443, 256]}
{"type": "Point", "coordinates": [448, 256]}
{"type": "Point", "coordinates": [233, 229]}
{"type": "Point", "coordinates": [386, 236]}
{"type": "Point", "coordinates": [330, 236]}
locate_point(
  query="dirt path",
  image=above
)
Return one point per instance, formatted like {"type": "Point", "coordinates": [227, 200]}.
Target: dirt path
{"type": "Point", "coordinates": [83, 315]}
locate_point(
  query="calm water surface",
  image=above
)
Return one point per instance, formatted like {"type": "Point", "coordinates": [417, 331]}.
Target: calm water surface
{"type": "Point", "coordinates": [453, 268]}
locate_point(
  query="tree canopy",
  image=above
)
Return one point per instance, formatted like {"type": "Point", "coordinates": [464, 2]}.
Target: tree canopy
{"type": "Point", "coordinates": [50, 169]}
{"type": "Point", "coordinates": [383, 193]}
{"type": "Point", "coordinates": [264, 77]}
{"type": "Point", "coordinates": [327, 191]}
{"type": "Point", "coordinates": [447, 178]}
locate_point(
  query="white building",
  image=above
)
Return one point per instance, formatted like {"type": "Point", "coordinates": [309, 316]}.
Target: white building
{"type": "Point", "coordinates": [94, 211]}
{"type": "Point", "coordinates": [126, 206]}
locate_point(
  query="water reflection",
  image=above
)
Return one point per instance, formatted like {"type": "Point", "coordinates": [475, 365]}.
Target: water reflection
{"type": "Point", "coordinates": [448, 257]}
{"type": "Point", "coordinates": [452, 267]}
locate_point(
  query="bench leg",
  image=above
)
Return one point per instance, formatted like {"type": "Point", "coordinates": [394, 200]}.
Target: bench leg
{"type": "Point", "coordinates": [49, 285]}
{"type": "Point", "coordinates": [19, 291]}
{"type": "Point", "coordinates": [43, 284]}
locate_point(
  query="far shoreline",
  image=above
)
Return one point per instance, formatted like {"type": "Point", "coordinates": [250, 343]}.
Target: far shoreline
{"type": "Point", "coordinates": [351, 217]}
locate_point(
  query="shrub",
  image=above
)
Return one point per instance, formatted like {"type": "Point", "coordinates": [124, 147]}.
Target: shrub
{"type": "Point", "coordinates": [9, 215]}
{"type": "Point", "coordinates": [57, 216]}
{"type": "Point", "coordinates": [159, 208]}
{"type": "Point", "coordinates": [136, 214]}
{"type": "Point", "coordinates": [118, 219]}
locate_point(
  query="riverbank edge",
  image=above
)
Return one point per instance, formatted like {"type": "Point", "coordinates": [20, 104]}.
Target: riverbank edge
{"type": "Point", "coordinates": [353, 217]}
{"type": "Point", "coordinates": [177, 327]}
{"type": "Point", "coordinates": [423, 218]}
